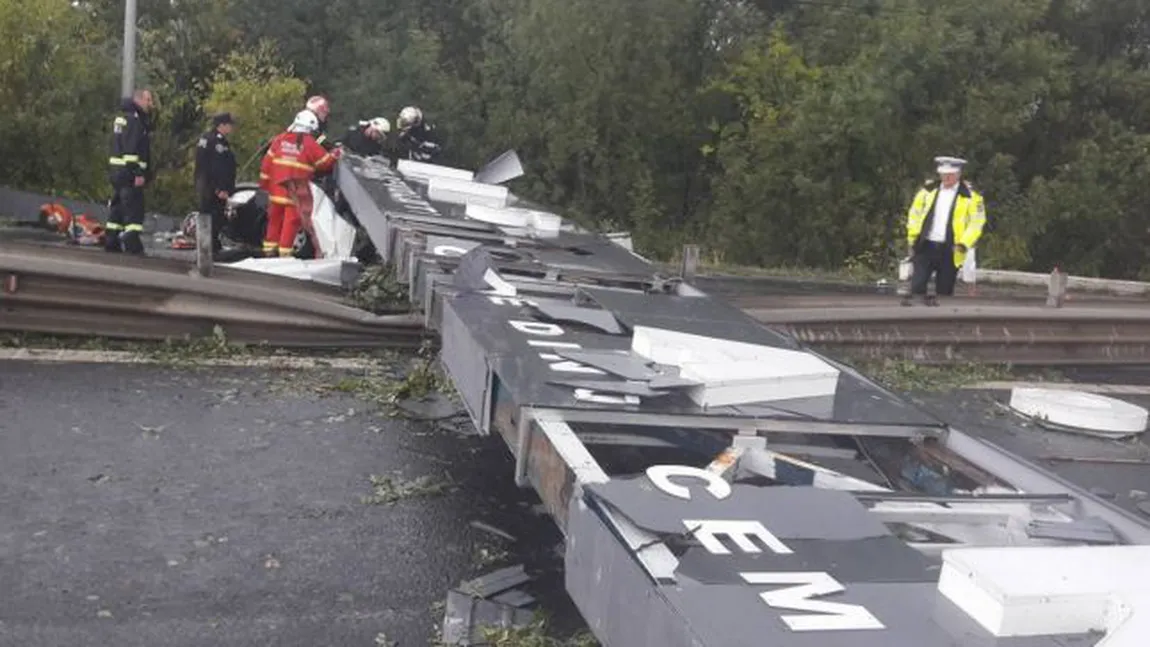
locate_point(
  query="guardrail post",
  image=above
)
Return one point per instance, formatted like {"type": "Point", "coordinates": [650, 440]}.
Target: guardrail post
{"type": "Point", "coordinates": [204, 243]}
{"type": "Point", "coordinates": [690, 263]}
{"type": "Point", "coordinates": [1056, 289]}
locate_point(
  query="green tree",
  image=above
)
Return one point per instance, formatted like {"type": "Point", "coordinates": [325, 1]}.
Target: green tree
{"type": "Point", "coordinates": [54, 67]}
{"type": "Point", "coordinates": [262, 95]}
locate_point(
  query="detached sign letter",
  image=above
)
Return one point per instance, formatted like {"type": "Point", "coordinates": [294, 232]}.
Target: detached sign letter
{"type": "Point", "coordinates": [797, 588]}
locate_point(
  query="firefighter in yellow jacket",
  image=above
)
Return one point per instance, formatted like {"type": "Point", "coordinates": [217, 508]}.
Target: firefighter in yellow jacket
{"type": "Point", "coordinates": [944, 222]}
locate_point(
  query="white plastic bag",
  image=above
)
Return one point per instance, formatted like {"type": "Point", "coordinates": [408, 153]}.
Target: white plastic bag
{"type": "Point", "coordinates": [905, 269]}
{"type": "Point", "coordinates": [969, 270]}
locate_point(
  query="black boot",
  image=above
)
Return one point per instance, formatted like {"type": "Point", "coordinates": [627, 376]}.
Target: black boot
{"type": "Point", "coordinates": [112, 242]}
{"type": "Point", "coordinates": [132, 243]}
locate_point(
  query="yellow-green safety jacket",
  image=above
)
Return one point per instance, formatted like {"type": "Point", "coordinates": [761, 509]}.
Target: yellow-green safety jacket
{"type": "Point", "coordinates": [968, 215]}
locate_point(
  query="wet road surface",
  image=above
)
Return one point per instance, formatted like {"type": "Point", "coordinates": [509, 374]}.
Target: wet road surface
{"type": "Point", "coordinates": [156, 506]}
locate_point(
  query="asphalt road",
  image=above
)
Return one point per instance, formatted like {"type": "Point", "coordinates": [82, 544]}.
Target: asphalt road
{"type": "Point", "coordinates": [159, 506]}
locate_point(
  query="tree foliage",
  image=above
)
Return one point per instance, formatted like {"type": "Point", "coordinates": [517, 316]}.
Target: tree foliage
{"type": "Point", "coordinates": [52, 71]}
{"type": "Point", "coordinates": [774, 132]}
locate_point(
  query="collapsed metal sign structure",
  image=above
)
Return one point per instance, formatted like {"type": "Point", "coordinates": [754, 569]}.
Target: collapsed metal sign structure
{"type": "Point", "coordinates": [559, 341]}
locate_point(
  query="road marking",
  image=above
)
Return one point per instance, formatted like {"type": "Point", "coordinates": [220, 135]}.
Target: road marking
{"type": "Point", "coordinates": [1114, 389]}
{"type": "Point", "coordinates": [67, 356]}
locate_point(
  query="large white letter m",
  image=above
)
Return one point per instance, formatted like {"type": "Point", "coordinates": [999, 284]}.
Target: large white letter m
{"type": "Point", "coordinates": [830, 616]}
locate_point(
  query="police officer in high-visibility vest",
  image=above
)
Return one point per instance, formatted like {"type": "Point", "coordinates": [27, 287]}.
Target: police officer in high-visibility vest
{"type": "Point", "coordinates": [944, 223]}
{"type": "Point", "coordinates": [129, 170]}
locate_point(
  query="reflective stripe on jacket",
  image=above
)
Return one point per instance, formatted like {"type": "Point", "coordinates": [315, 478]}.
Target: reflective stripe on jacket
{"type": "Point", "coordinates": [297, 156]}
{"type": "Point", "coordinates": [131, 142]}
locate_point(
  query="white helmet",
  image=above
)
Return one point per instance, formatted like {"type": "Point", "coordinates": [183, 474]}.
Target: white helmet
{"type": "Point", "coordinates": [305, 122]}
{"type": "Point", "coordinates": [380, 124]}
{"type": "Point", "coordinates": [409, 117]}
{"type": "Point", "coordinates": [319, 106]}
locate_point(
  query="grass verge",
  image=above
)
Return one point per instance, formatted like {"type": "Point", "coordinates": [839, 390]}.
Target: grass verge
{"type": "Point", "coordinates": [909, 376]}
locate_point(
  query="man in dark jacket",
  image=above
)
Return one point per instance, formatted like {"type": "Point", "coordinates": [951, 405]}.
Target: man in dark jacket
{"type": "Point", "coordinates": [367, 138]}
{"type": "Point", "coordinates": [129, 170]}
{"type": "Point", "coordinates": [416, 138]}
{"type": "Point", "coordinates": [215, 173]}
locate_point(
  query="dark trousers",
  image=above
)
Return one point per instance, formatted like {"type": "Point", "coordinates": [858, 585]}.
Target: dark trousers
{"type": "Point", "coordinates": [125, 226]}
{"type": "Point", "coordinates": [937, 259]}
{"type": "Point", "coordinates": [211, 204]}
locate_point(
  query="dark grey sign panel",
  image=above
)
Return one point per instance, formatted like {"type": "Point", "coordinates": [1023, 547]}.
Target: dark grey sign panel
{"type": "Point", "coordinates": [695, 315]}
{"type": "Point", "coordinates": [863, 589]}
{"type": "Point", "coordinates": [522, 345]}
{"type": "Point", "coordinates": [828, 531]}
{"type": "Point", "coordinates": [592, 253]}
{"type": "Point", "coordinates": [911, 614]}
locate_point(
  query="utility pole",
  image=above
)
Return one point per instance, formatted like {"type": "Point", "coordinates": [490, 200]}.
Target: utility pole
{"type": "Point", "coordinates": [128, 74]}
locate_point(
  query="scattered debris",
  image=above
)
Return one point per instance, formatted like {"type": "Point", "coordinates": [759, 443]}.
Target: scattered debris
{"type": "Point", "coordinates": [216, 350]}
{"type": "Point", "coordinates": [423, 378]}
{"type": "Point", "coordinates": [377, 290]}
{"type": "Point", "coordinates": [422, 393]}
{"type": "Point", "coordinates": [381, 640]}
{"type": "Point", "coordinates": [491, 610]}
{"type": "Point", "coordinates": [1144, 508]}
{"type": "Point", "coordinates": [98, 478]}
{"type": "Point", "coordinates": [479, 525]}
{"type": "Point", "coordinates": [1138, 495]}
{"type": "Point", "coordinates": [459, 424]}
{"type": "Point", "coordinates": [486, 556]}
{"type": "Point", "coordinates": [433, 407]}
{"type": "Point", "coordinates": [496, 582]}
{"type": "Point", "coordinates": [388, 490]}
{"type": "Point", "coordinates": [906, 375]}
{"type": "Point", "coordinates": [103, 613]}
{"type": "Point", "coordinates": [271, 563]}
{"type": "Point", "coordinates": [532, 635]}
{"type": "Point", "coordinates": [468, 620]}
{"type": "Point", "coordinates": [1102, 493]}
{"type": "Point", "coordinates": [191, 351]}
{"type": "Point", "coordinates": [152, 432]}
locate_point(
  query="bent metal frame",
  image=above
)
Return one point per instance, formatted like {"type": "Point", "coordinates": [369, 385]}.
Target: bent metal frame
{"type": "Point", "coordinates": [752, 546]}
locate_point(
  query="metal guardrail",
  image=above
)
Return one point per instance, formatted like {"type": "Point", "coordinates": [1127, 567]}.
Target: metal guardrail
{"type": "Point", "coordinates": [1017, 335]}
{"type": "Point", "coordinates": [64, 291]}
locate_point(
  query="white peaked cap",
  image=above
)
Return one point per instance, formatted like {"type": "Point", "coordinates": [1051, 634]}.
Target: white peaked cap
{"type": "Point", "coordinates": [950, 164]}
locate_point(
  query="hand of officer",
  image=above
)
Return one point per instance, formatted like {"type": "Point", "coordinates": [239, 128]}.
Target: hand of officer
{"type": "Point", "coordinates": [222, 195]}
{"type": "Point", "coordinates": [961, 248]}
{"type": "Point", "coordinates": [139, 180]}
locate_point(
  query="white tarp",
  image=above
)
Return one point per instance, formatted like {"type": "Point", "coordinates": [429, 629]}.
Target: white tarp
{"type": "Point", "coordinates": [325, 270]}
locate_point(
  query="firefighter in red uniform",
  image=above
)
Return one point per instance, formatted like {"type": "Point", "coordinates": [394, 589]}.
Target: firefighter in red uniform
{"type": "Point", "coordinates": [293, 159]}
{"type": "Point", "coordinates": [320, 107]}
